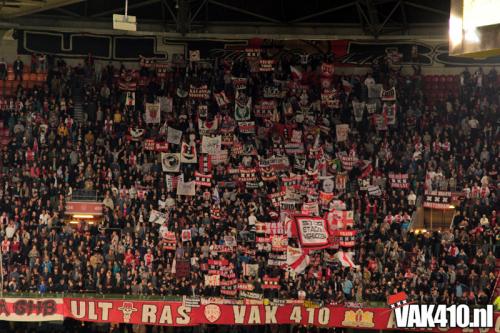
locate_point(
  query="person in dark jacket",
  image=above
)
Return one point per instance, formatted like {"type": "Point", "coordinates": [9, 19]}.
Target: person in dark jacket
{"type": "Point", "coordinates": [18, 69]}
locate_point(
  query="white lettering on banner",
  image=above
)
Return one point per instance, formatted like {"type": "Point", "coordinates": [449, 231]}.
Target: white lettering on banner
{"type": "Point", "coordinates": [310, 317]}
{"type": "Point", "coordinates": [254, 317]}
{"type": "Point", "coordinates": [422, 318]}
{"type": "Point", "coordinates": [183, 312]}
{"type": "Point", "coordinates": [296, 315]}
{"type": "Point", "coordinates": [271, 314]}
{"type": "Point", "coordinates": [166, 315]}
{"type": "Point", "coordinates": [324, 316]}
{"type": "Point", "coordinates": [105, 306]}
{"type": "Point", "coordinates": [239, 314]}
{"type": "Point", "coordinates": [431, 316]}
{"type": "Point", "coordinates": [312, 231]}
{"type": "Point", "coordinates": [149, 313]}
{"type": "Point", "coordinates": [92, 313]}
{"type": "Point", "coordinates": [391, 324]}
{"type": "Point", "coordinates": [78, 309]}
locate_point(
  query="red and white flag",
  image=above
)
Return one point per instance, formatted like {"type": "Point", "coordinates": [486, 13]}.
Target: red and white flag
{"type": "Point", "coordinates": [297, 259]}
{"type": "Point", "coordinates": [345, 258]}
{"type": "Point", "coordinates": [296, 73]}
{"type": "Point", "coordinates": [339, 219]}
{"type": "Point", "coordinates": [397, 300]}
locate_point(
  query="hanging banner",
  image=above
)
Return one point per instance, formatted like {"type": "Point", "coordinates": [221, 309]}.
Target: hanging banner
{"type": "Point", "coordinates": [438, 200]}
{"type": "Point", "coordinates": [342, 132]}
{"type": "Point", "coordinates": [242, 106]}
{"type": "Point", "coordinates": [188, 153]}
{"type": "Point", "coordinates": [174, 136]}
{"type": "Point", "coordinates": [235, 312]}
{"type": "Point", "coordinates": [130, 99]}
{"type": "Point", "coordinates": [312, 231]}
{"type": "Point", "coordinates": [216, 311]}
{"type": "Point", "coordinates": [186, 188]}
{"type": "Point", "coordinates": [152, 113]}
{"type": "Point", "coordinates": [170, 162]}
{"type": "Point", "coordinates": [388, 95]}
{"type": "Point", "coordinates": [166, 104]}
{"type": "Point", "coordinates": [199, 92]}
{"type": "Point", "coordinates": [31, 309]}
{"type": "Point", "coordinates": [211, 145]}
{"type": "Point", "coordinates": [399, 180]}
{"type": "Point", "coordinates": [357, 110]}
{"type": "Point", "coordinates": [157, 217]}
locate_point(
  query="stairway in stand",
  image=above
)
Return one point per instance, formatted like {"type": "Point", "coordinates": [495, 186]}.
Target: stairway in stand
{"type": "Point", "coordinates": [77, 88]}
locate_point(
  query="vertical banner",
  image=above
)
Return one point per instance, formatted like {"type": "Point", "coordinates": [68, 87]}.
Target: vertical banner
{"type": "Point", "coordinates": [342, 132]}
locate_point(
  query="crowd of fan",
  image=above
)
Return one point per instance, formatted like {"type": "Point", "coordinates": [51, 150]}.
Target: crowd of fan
{"type": "Point", "coordinates": [447, 145]}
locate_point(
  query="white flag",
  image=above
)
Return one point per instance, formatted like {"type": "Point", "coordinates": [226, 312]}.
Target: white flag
{"type": "Point", "coordinates": [174, 135]}
{"type": "Point", "coordinates": [186, 188]}
{"type": "Point", "coordinates": [153, 113]}
{"type": "Point", "coordinates": [342, 132]}
{"type": "Point", "coordinates": [211, 145]}
{"type": "Point", "coordinates": [157, 217]}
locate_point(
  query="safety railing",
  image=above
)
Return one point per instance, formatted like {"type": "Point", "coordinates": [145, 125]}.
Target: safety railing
{"type": "Point", "coordinates": [85, 195]}
{"type": "Point", "coordinates": [171, 298]}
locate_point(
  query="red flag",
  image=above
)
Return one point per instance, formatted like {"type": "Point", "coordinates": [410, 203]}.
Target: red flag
{"type": "Point", "coordinates": [296, 73]}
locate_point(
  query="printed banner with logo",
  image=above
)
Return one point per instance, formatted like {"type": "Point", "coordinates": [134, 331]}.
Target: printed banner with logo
{"type": "Point", "coordinates": [438, 200]}
{"type": "Point", "coordinates": [170, 162]}
{"type": "Point", "coordinates": [152, 113]}
{"type": "Point", "coordinates": [211, 145]}
{"type": "Point", "coordinates": [235, 312]}
{"type": "Point", "coordinates": [205, 311]}
{"type": "Point", "coordinates": [342, 132]}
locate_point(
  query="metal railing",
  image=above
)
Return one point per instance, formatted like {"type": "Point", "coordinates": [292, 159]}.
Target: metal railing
{"type": "Point", "coordinates": [85, 195]}
{"type": "Point", "coordinates": [170, 298]}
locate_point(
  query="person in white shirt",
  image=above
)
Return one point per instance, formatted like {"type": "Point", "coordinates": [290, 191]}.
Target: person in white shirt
{"type": "Point", "coordinates": [170, 202]}
{"type": "Point", "coordinates": [484, 221]}
{"type": "Point", "coordinates": [473, 123]}
{"type": "Point", "coordinates": [44, 217]}
{"type": "Point", "coordinates": [163, 230]}
{"type": "Point", "coordinates": [412, 198]}
{"type": "Point", "coordinates": [10, 230]}
{"type": "Point", "coordinates": [252, 220]}
{"type": "Point", "coordinates": [369, 81]}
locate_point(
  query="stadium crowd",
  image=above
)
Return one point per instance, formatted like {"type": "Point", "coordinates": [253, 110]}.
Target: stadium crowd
{"type": "Point", "coordinates": [448, 145]}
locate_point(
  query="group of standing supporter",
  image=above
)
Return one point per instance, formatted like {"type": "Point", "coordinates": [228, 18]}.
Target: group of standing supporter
{"type": "Point", "coordinates": [289, 113]}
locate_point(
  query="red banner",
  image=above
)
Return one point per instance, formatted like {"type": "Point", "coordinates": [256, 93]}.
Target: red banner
{"type": "Point", "coordinates": [74, 207]}
{"type": "Point", "coordinates": [218, 311]}
{"type": "Point", "coordinates": [196, 311]}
